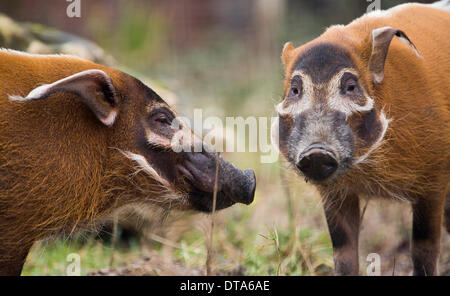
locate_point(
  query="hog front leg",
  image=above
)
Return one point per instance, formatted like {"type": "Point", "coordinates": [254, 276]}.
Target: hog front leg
{"type": "Point", "coordinates": [12, 264]}
{"type": "Point", "coordinates": [342, 214]}
{"type": "Point", "coordinates": [426, 234]}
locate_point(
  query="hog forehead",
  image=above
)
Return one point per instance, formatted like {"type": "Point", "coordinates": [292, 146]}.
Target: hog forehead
{"type": "Point", "coordinates": [321, 69]}
{"type": "Point", "coordinates": [323, 61]}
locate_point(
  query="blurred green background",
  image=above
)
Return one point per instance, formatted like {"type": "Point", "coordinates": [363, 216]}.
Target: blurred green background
{"type": "Point", "coordinates": [221, 56]}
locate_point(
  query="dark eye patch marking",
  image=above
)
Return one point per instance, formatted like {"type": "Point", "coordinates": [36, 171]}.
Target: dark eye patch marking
{"type": "Point", "coordinates": [296, 86]}
{"type": "Point", "coordinates": [351, 89]}
{"type": "Point", "coordinates": [158, 125]}
{"type": "Point", "coordinates": [349, 83]}
{"type": "Point", "coordinates": [323, 61]}
{"type": "Point", "coordinates": [170, 116]}
{"type": "Point", "coordinates": [295, 90]}
{"type": "Point", "coordinates": [368, 127]}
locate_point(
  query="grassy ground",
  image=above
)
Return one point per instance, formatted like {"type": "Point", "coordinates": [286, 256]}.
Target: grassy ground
{"type": "Point", "coordinates": [51, 258]}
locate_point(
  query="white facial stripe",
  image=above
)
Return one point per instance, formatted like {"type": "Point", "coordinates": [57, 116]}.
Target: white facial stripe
{"type": "Point", "coordinates": [385, 123]}
{"type": "Point", "coordinates": [146, 167]}
{"type": "Point", "coordinates": [158, 141]}
{"type": "Point", "coordinates": [339, 103]}
{"type": "Point", "coordinates": [305, 101]}
{"type": "Point", "coordinates": [335, 100]}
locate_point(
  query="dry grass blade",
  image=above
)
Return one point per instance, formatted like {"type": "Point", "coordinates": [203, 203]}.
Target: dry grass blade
{"type": "Point", "coordinates": [277, 246]}
{"type": "Point", "coordinates": [164, 241]}
{"type": "Point", "coordinates": [363, 213]}
{"type": "Point", "coordinates": [393, 268]}
{"type": "Point", "coordinates": [287, 195]}
{"type": "Point", "coordinates": [113, 238]}
{"type": "Point", "coordinates": [210, 251]}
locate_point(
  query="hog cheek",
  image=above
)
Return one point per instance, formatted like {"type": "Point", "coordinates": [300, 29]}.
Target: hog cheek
{"type": "Point", "coordinates": [367, 128]}
{"type": "Point", "coordinates": [286, 124]}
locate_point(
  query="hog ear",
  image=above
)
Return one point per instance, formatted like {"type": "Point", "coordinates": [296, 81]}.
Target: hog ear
{"type": "Point", "coordinates": [381, 39]}
{"type": "Point", "coordinates": [286, 54]}
{"type": "Point", "coordinates": [93, 87]}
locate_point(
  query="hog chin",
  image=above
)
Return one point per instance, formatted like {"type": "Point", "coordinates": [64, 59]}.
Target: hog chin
{"type": "Point", "coordinates": [203, 202]}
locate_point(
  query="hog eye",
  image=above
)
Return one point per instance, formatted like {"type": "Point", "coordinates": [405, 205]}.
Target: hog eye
{"type": "Point", "coordinates": [161, 118]}
{"type": "Point", "coordinates": [349, 83]}
{"type": "Point", "coordinates": [296, 87]}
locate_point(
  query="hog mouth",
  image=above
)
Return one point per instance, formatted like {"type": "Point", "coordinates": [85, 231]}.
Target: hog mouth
{"type": "Point", "coordinates": [203, 202]}
{"type": "Point", "coordinates": [240, 190]}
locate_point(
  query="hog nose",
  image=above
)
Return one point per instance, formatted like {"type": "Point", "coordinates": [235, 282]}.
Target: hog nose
{"type": "Point", "coordinates": [250, 186]}
{"type": "Point", "coordinates": [237, 185]}
{"type": "Point", "coordinates": [317, 164]}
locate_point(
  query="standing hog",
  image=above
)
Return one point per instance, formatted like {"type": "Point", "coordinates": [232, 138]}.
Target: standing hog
{"type": "Point", "coordinates": [366, 113]}
{"type": "Point", "coordinates": [78, 140]}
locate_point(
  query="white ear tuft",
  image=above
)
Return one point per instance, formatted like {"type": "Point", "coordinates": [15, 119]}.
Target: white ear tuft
{"type": "Point", "coordinates": [38, 92]}
{"type": "Point", "coordinates": [16, 98]}
{"type": "Point", "coordinates": [35, 94]}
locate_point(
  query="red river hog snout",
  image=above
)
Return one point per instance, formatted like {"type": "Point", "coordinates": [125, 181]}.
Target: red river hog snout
{"type": "Point", "coordinates": [366, 113]}
{"type": "Point", "coordinates": [78, 140]}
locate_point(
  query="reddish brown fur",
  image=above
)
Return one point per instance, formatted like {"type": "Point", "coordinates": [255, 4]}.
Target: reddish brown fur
{"type": "Point", "coordinates": [414, 161]}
